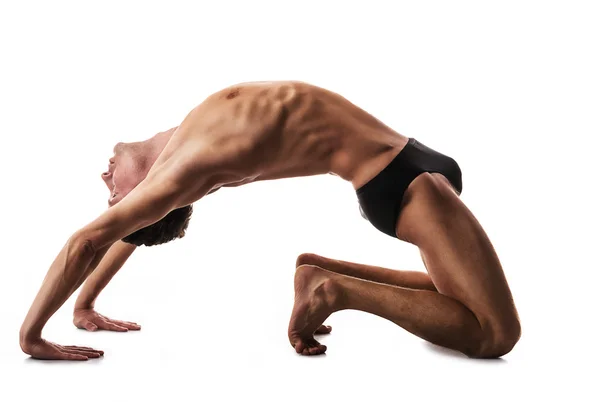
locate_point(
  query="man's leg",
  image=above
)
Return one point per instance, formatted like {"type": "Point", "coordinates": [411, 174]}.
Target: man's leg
{"type": "Point", "coordinates": [429, 315]}
{"type": "Point", "coordinates": [472, 311]}
{"type": "Point", "coordinates": [405, 279]}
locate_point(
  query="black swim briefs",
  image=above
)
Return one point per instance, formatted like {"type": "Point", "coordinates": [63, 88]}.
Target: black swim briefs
{"type": "Point", "coordinates": [381, 197]}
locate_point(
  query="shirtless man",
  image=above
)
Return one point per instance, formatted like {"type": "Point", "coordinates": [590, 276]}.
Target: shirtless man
{"type": "Point", "coordinates": [273, 130]}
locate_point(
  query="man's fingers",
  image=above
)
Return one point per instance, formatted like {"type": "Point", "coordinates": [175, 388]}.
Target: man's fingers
{"type": "Point", "coordinates": [86, 352]}
{"type": "Point", "coordinates": [72, 356]}
{"type": "Point", "coordinates": [85, 349]}
{"type": "Point", "coordinates": [63, 353]}
{"type": "Point", "coordinates": [126, 324]}
{"type": "Point", "coordinates": [81, 350]}
{"type": "Point", "coordinates": [81, 347]}
{"type": "Point", "coordinates": [101, 322]}
{"type": "Point", "coordinates": [109, 326]}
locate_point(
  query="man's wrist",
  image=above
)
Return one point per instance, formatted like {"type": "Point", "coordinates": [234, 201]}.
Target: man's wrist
{"type": "Point", "coordinates": [28, 336]}
{"type": "Point", "coordinates": [84, 305]}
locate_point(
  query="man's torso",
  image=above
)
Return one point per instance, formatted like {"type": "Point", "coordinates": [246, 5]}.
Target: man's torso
{"type": "Point", "coordinates": [272, 130]}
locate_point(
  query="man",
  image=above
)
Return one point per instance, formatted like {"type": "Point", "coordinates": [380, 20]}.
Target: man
{"type": "Point", "coordinates": [273, 130]}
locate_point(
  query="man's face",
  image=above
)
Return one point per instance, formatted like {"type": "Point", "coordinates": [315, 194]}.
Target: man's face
{"type": "Point", "coordinates": [124, 170]}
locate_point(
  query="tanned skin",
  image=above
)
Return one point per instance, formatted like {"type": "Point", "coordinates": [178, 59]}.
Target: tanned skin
{"type": "Point", "coordinates": [274, 130]}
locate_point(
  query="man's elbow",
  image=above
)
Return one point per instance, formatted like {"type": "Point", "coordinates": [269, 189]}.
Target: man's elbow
{"type": "Point", "coordinates": [79, 253]}
{"type": "Point", "coordinates": [83, 243]}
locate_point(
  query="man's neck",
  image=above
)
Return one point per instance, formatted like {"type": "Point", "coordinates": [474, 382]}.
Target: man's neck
{"type": "Point", "coordinates": [156, 145]}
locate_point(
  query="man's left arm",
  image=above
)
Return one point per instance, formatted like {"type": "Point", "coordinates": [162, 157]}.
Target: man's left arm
{"type": "Point", "coordinates": [84, 314]}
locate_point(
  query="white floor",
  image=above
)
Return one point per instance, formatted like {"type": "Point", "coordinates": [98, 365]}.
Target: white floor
{"type": "Point", "coordinates": [508, 89]}
{"type": "Point", "coordinates": [214, 310]}
{"type": "Point", "coordinates": [243, 354]}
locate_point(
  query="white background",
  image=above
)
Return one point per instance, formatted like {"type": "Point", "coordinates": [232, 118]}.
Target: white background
{"type": "Point", "coordinates": [510, 89]}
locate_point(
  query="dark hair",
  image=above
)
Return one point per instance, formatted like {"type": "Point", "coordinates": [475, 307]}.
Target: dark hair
{"type": "Point", "coordinates": [169, 228]}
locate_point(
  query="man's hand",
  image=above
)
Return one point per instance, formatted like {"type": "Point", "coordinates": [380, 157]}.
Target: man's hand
{"type": "Point", "coordinates": [42, 349]}
{"type": "Point", "coordinates": [90, 320]}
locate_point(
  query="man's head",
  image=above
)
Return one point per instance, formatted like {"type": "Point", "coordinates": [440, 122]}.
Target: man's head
{"type": "Point", "coordinates": [127, 168]}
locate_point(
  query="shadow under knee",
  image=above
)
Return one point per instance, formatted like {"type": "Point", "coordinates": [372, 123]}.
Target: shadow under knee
{"type": "Point", "coordinates": [442, 351]}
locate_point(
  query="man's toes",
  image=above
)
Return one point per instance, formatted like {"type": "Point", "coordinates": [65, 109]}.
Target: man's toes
{"type": "Point", "coordinates": [308, 347]}
{"type": "Point", "coordinates": [314, 350]}
{"type": "Point", "coordinates": [299, 346]}
{"type": "Point", "coordinates": [323, 329]}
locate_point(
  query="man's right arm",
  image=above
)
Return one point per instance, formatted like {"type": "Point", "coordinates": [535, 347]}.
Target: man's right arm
{"type": "Point", "coordinates": [84, 315]}
{"type": "Point", "coordinates": [147, 203]}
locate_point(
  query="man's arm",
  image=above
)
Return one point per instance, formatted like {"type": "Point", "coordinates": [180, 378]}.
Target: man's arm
{"type": "Point", "coordinates": [84, 315]}
{"type": "Point", "coordinates": [149, 202]}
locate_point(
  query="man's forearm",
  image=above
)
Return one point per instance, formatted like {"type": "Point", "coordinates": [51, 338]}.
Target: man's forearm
{"type": "Point", "coordinates": [75, 261]}
{"type": "Point", "coordinates": [102, 275]}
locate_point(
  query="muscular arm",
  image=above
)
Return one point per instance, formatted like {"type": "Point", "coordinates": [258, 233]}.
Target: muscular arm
{"type": "Point", "coordinates": [84, 314]}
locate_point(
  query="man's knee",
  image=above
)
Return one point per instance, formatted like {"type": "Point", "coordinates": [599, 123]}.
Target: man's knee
{"type": "Point", "coordinates": [501, 342]}
{"type": "Point", "coordinates": [307, 259]}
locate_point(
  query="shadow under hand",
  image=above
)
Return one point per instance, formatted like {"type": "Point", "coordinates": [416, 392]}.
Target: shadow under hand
{"type": "Point", "coordinates": [31, 360]}
{"type": "Point", "coordinates": [455, 354]}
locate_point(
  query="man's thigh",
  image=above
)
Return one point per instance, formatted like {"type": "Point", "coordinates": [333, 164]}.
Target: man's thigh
{"type": "Point", "coordinates": [457, 253]}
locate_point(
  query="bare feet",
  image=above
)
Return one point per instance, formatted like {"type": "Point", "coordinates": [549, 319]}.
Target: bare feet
{"type": "Point", "coordinates": [323, 330]}
{"type": "Point", "coordinates": [314, 302]}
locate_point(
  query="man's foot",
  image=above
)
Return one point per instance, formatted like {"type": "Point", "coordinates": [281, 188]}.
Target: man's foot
{"type": "Point", "coordinates": [323, 330]}
{"type": "Point", "coordinates": [314, 301]}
